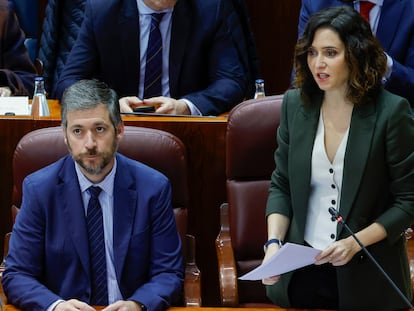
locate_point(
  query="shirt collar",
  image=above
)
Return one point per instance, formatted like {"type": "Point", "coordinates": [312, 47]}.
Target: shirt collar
{"type": "Point", "coordinates": [144, 9]}
{"type": "Point", "coordinates": [107, 184]}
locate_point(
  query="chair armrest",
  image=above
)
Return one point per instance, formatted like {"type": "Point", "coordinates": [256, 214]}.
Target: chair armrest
{"type": "Point", "coordinates": [192, 278]}
{"type": "Point", "coordinates": [226, 263]}
{"type": "Point", "coordinates": [14, 211]}
{"type": "Point", "coordinates": [5, 251]}
{"type": "Point", "coordinates": [410, 255]}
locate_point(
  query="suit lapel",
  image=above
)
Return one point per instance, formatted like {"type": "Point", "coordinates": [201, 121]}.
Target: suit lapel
{"type": "Point", "coordinates": [390, 11]}
{"type": "Point", "coordinates": [68, 194]}
{"type": "Point", "coordinates": [181, 27]}
{"type": "Point", "coordinates": [125, 202]}
{"type": "Point", "coordinates": [302, 140]}
{"type": "Point", "coordinates": [356, 155]}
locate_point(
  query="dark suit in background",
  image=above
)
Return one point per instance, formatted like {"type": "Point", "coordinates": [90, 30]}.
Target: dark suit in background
{"type": "Point", "coordinates": [16, 69]}
{"type": "Point", "coordinates": [61, 24]}
{"type": "Point", "coordinates": [243, 37]}
{"type": "Point", "coordinates": [395, 33]}
{"type": "Point", "coordinates": [204, 66]}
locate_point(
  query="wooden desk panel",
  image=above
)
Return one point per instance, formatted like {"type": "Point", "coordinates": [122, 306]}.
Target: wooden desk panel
{"type": "Point", "coordinates": [205, 142]}
{"type": "Point", "coordinates": [12, 308]}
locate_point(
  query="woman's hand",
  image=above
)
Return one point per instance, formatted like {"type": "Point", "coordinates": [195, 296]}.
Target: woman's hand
{"type": "Point", "coordinates": [271, 250]}
{"type": "Point", "coordinates": [339, 253]}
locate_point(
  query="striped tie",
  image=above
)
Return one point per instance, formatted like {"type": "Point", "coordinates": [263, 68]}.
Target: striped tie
{"type": "Point", "coordinates": [153, 67]}
{"type": "Point", "coordinates": [94, 220]}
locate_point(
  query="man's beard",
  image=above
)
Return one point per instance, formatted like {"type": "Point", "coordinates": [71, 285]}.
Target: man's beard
{"type": "Point", "coordinates": [106, 158]}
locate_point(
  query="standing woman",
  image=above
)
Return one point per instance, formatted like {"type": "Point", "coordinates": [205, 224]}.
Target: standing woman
{"type": "Point", "coordinates": [17, 72]}
{"type": "Point", "coordinates": [343, 142]}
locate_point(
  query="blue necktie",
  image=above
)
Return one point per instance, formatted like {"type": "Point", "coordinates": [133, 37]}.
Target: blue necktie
{"type": "Point", "coordinates": [153, 67]}
{"type": "Point", "coordinates": [94, 220]}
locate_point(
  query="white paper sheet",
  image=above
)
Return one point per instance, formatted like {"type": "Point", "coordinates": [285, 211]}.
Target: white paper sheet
{"type": "Point", "coordinates": [290, 257]}
{"type": "Point", "coordinates": [19, 105]}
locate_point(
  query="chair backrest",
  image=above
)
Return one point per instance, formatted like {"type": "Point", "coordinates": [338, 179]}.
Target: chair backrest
{"type": "Point", "coordinates": [250, 146]}
{"type": "Point", "coordinates": [156, 148]}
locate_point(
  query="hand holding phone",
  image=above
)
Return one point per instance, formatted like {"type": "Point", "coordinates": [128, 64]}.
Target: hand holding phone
{"type": "Point", "coordinates": [144, 109]}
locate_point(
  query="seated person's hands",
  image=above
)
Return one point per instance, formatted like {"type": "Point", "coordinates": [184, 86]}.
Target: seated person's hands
{"type": "Point", "coordinates": [271, 250]}
{"type": "Point", "coordinates": [73, 304]}
{"type": "Point", "coordinates": [163, 105]}
{"type": "Point", "coordinates": [5, 91]}
{"type": "Point", "coordinates": [126, 104]}
{"type": "Point", "coordinates": [168, 105]}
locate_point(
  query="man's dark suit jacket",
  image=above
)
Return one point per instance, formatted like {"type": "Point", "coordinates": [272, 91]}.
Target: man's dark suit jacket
{"type": "Point", "coordinates": [395, 33]}
{"type": "Point", "coordinates": [49, 256]}
{"type": "Point", "coordinates": [16, 68]}
{"type": "Point", "coordinates": [204, 64]}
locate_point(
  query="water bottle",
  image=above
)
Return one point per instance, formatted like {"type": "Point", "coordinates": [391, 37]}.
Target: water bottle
{"type": "Point", "coordinates": [260, 90]}
{"type": "Point", "coordinates": [39, 105]}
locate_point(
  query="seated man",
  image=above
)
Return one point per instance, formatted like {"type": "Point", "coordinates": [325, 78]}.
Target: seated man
{"type": "Point", "coordinates": [95, 228]}
{"type": "Point", "coordinates": [17, 72]}
{"type": "Point", "coordinates": [199, 72]}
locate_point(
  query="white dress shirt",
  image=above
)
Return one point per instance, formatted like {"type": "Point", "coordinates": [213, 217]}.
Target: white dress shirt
{"type": "Point", "coordinates": [326, 185]}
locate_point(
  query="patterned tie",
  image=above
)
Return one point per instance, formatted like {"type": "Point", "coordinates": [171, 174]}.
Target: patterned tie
{"type": "Point", "coordinates": [364, 8]}
{"type": "Point", "coordinates": [94, 220]}
{"type": "Point", "coordinates": [153, 67]}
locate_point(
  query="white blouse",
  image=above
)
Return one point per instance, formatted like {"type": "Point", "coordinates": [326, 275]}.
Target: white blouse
{"type": "Point", "coordinates": [325, 192]}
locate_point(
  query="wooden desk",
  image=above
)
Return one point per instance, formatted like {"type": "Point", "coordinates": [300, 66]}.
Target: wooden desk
{"type": "Point", "coordinates": [12, 308]}
{"type": "Point", "coordinates": [205, 142]}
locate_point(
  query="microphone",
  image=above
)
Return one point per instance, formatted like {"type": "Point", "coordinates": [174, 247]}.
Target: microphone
{"type": "Point", "coordinates": [336, 216]}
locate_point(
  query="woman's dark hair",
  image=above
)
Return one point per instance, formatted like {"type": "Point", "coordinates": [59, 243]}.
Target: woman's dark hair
{"type": "Point", "coordinates": [365, 57]}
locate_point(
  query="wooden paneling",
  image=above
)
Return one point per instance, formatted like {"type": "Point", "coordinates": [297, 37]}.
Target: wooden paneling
{"type": "Point", "coordinates": [274, 24]}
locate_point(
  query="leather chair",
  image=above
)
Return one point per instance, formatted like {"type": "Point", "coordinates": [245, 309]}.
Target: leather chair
{"type": "Point", "coordinates": [250, 145]}
{"type": "Point", "coordinates": [158, 149]}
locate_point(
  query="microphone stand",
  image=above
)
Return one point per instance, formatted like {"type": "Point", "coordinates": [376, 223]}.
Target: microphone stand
{"type": "Point", "coordinates": [336, 216]}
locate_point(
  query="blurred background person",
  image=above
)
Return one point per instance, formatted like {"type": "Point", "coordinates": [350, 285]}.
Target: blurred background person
{"type": "Point", "coordinates": [61, 24]}
{"type": "Point", "coordinates": [17, 72]}
{"type": "Point", "coordinates": [200, 72]}
{"type": "Point", "coordinates": [346, 143]}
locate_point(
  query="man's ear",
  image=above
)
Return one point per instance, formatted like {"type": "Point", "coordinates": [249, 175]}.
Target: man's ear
{"type": "Point", "coordinates": [65, 138]}
{"type": "Point", "coordinates": [120, 130]}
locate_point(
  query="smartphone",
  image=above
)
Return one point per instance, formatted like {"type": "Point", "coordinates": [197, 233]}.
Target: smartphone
{"type": "Point", "coordinates": [144, 109]}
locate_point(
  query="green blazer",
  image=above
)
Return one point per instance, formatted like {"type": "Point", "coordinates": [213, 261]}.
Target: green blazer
{"type": "Point", "coordinates": [377, 186]}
